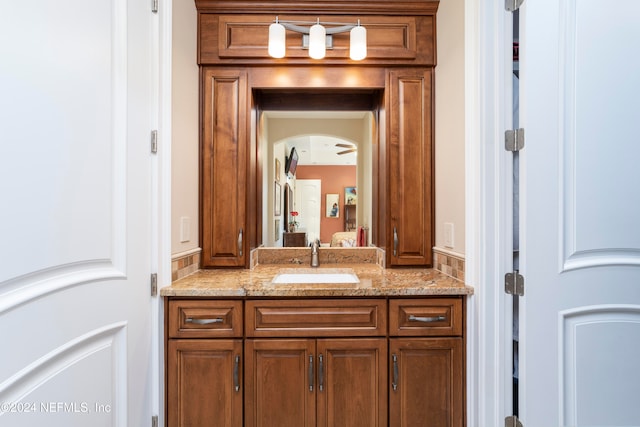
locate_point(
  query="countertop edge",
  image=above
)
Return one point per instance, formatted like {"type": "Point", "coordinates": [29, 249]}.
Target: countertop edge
{"type": "Point", "coordinates": [373, 282]}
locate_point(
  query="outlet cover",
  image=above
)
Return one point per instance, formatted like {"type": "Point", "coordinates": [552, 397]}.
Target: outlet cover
{"type": "Point", "coordinates": [448, 235]}
{"type": "Point", "coordinates": [185, 229]}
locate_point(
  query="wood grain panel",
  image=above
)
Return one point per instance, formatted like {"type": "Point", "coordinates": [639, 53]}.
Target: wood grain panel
{"type": "Point", "coordinates": [210, 318]}
{"type": "Point", "coordinates": [316, 317]}
{"type": "Point", "coordinates": [431, 317]}
{"type": "Point", "coordinates": [410, 162]}
{"type": "Point", "coordinates": [224, 166]}
{"type": "Point", "coordinates": [201, 385]}
{"type": "Point", "coordinates": [429, 384]}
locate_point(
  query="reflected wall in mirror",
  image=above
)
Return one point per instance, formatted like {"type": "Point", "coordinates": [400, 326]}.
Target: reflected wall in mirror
{"type": "Point", "coordinates": [334, 151]}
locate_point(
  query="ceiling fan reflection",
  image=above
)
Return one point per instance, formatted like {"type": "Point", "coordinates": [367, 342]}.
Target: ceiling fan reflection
{"type": "Point", "coordinates": [350, 148]}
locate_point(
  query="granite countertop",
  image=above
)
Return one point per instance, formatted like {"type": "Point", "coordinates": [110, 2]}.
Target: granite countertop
{"type": "Point", "coordinates": [374, 280]}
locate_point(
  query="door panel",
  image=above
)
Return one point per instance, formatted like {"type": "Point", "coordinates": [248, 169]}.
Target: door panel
{"type": "Point", "coordinates": [410, 167]}
{"type": "Point", "coordinates": [194, 366]}
{"type": "Point", "coordinates": [307, 196]}
{"type": "Point", "coordinates": [75, 173]}
{"type": "Point", "coordinates": [427, 382]}
{"type": "Point", "coordinates": [354, 379]}
{"type": "Point", "coordinates": [279, 389]}
{"type": "Point", "coordinates": [224, 167]}
{"type": "Point", "coordinates": [580, 243]}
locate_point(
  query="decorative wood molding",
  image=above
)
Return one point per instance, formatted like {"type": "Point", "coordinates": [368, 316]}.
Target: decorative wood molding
{"type": "Point", "coordinates": [352, 7]}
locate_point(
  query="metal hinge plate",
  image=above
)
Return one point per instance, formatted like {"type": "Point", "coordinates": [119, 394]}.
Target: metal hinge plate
{"type": "Point", "coordinates": [514, 284]}
{"type": "Point", "coordinates": [154, 6]}
{"type": "Point", "coordinates": [154, 141]}
{"type": "Point", "coordinates": [514, 140]}
{"type": "Point", "coordinates": [512, 5]}
{"type": "Point", "coordinates": [154, 284]}
{"type": "Point", "coordinates": [512, 421]}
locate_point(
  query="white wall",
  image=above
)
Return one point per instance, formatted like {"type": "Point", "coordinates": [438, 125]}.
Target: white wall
{"type": "Point", "coordinates": [184, 156]}
{"type": "Point", "coordinates": [450, 122]}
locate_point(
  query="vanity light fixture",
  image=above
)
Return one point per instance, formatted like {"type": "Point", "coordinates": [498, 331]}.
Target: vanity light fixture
{"type": "Point", "coordinates": [317, 38]}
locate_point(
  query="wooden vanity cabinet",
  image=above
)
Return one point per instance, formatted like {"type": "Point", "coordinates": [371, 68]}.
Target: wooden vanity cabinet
{"type": "Point", "coordinates": [426, 351]}
{"type": "Point", "coordinates": [410, 137]}
{"type": "Point", "coordinates": [316, 363]}
{"type": "Point", "coordinates": [203, 383]}
{"type": "Point", "coordinates": [370, 362]}
{"type": "Point", "coordinates": [224, 167]}
{"type": "Point", "coordinates": [316, 382]}
{"type": "Point", "coordinates": [204, 363]}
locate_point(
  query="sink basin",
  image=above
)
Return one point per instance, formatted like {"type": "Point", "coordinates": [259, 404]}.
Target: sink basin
{"type": "Point", "coordinates": [304, 277]}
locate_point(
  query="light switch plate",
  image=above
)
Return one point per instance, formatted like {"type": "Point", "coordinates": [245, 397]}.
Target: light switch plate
{"type": "Point", "coordinates": [185, 229]}
{"type": "Point", "coordinates": [448, 235]}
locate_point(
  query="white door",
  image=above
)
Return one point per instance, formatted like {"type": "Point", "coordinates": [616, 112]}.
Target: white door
{"type": "Point", "coordinates": [307, 196]}
{"type": "Point", "coordinates": [580, 241]}
{"type": "Point", "coordinates": [75, 217]}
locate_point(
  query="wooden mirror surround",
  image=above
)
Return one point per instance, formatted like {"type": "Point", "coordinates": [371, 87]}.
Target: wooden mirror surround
{"type": "Point", "coordinates": [239, 80]}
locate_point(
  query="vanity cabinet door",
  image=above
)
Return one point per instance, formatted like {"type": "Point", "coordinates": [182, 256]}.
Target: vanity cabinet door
{"type": "Point", "coordinates": [426, 382]}
{"type": "Point", "coordinates": [309, 382]}
{"type": "Point", "coordinates": [410, 173]}
{"type": "Point", "coordinates": [224, 167]}
{"type": "Point", "coordinates": [204, 383]}
{"type": "Point", "coordinates": [280, 383]}
{"type": "Point", "coordinates": [352, 382]}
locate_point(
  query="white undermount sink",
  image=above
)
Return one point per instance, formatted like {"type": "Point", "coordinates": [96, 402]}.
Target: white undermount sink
{"type": "Point", "coordinates": [305, 277]}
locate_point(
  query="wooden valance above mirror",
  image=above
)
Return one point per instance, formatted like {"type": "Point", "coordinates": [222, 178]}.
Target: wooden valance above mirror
{"type": "Point", "coordinates": [398, 33]}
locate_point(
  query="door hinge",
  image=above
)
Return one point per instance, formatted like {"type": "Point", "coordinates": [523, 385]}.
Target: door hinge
{"type": "Point", "coordinates": [154, 6]}
{"type": "Point", "coordinates": [154, 141]}
{"type": "Point", "coordinates": [512, 5]}
{"type": "Point", "coordinates": [154, 284]}
{"type": "Point", "coordinates": [154, 421]}
{"type": "Point", "coordinates": [512, 421]}
{"type": "Point", "coordinates": [514, 283]}
{"type": "Point", "coordinates": [514, 140]}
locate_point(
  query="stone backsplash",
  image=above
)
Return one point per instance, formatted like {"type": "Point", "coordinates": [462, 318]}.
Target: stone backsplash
{"type": "Point", "coordinates": [449, 263]}
{"type": "Point", "coordinates": [185, 263]}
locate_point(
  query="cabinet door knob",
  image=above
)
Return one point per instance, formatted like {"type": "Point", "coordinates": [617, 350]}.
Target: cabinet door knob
{"type": "Point", "coordinates": [240, 242]}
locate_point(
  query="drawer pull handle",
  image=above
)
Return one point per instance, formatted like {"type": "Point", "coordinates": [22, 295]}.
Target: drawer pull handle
{"type": "Point", "coordinates": [311, 372]}
{"type": "Point", "coordinates": [236, 370]}
{"type": "Point", "coordinates": [394, 384]}
{"type": "Point", "coordinates": [240, 242]}
{"type": "Point", "coordinates": [320, 373]}
{"type": "Point", "coordinates": [413, 318]}
{"type": "Point", "coordinates": [204, 321]}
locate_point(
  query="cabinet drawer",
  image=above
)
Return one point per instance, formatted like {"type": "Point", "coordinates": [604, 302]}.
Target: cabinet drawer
{"type": "Point", "coordinates": [318, 318]}
{"type": "Point", "coordinates": [205, 318]}
{"type": "Point", "coordinates": [425, 317]}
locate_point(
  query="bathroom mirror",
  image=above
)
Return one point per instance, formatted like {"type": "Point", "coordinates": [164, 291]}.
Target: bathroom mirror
{"type": "Point", "coordinates": [334, 152]}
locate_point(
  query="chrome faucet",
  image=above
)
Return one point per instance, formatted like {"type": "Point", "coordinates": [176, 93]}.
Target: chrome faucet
{"type": "Point", "coordinates": [314, 253]}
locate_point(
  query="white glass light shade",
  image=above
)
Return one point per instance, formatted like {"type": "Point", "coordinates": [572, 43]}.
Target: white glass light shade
{"type": "Point", "coordinates": [317, 41]}
{"type": "Point", "coordinates": [277, 42]}
{"type": "Point", "coordinates": [358, 43]}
